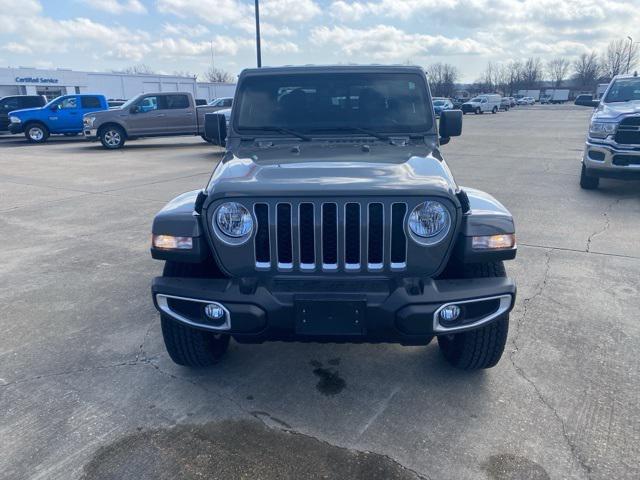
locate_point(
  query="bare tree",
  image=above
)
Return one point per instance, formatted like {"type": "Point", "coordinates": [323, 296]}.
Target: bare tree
{"type": "Point", "coordinates": [619, 57]}
{"type": "Point", "coordinates": [218, 75]}
{"type": "Point", "coordinates": [138, 69]}
{"type": "Point", "coordinates": [557, 70]}
{"type": "Point", "coordinates": [442, 79]}
{"type": "Point", "coordinates": [532, 72]}
{"type": "Point", "coordinates": [514, 76]}
{"type": "Point", "coordinates": [587, 70]}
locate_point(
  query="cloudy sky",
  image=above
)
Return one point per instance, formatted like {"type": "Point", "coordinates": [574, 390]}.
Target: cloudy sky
{"type": "Point", "coordinates": [177, 35]}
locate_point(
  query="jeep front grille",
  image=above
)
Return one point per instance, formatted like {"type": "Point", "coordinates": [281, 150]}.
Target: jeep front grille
{"type": "Point", "coordinates": [309, 236]}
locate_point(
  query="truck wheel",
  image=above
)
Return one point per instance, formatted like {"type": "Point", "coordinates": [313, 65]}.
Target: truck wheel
{"type": "Point", "coordinates": [112, 137]}
{"type": "Point", "coordinates": [189, 346]}
{"type": "Point", "coordinates": [587, 181]}
{"type": "Point", "coordinates": [478, 110]}
{"type": "Point", "coordinates": [483, 347]}
{"type": "Point", "coordinates": [36, 133]}
{"type": "Point", "coordinates": [494, 110]}
{"type": "Point", "coordinates": [208, 140]}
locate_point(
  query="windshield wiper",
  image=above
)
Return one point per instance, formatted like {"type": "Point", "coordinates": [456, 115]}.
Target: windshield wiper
{"type": "Point", "coordinates": [284, 130]}
{"type": "Point", "coordinates": [366, 131]}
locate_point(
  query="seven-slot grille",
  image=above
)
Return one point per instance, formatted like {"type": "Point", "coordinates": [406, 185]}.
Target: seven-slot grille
{"type": "Point", "coordinates": [628, 131]}
{"type": "Point", "coordinates": [330, 236]}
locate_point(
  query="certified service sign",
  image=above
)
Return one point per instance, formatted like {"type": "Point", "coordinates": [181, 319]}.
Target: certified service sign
{"type": "Point", "coordinates": [41, 80]}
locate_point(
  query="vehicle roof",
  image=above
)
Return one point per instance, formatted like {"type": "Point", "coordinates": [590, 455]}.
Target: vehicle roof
{"type": "Point", "coordinates": [332, 68]}
{"type": "Point", "coordinates": [624, 75]}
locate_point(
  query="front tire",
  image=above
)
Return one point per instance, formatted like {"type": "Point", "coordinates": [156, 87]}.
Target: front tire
{"type": "Point", "coordinates": [188, 346]}
{"type": "Point", "coordinates": [191, 347]}
{"type": "Point", "coordinates": [588, 182]}
{"type": "Point", "coordinates": [480, 348]}
{"type": "Point", "coordinates": [36, 133]}
{"type": "Point", "coordinates": [112, 137]}
{"type": "Point", "coordinates": [478, 111]}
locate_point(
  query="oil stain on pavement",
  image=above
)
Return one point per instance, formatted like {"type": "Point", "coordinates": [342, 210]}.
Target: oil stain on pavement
{"type": "Point", "coordinates": [330, 381]}
{"type": "Point", "coordinates": [514, 467]}
{"type": "Point", "coordinates": [234, 449]}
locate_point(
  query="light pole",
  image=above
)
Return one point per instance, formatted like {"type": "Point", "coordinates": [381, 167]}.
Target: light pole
{"type": "Point", "coordinates": [258, 52]}
{"type": "Point", "coordinates": [630, 50]}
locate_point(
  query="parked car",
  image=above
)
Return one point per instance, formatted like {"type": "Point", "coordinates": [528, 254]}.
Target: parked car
{"type": "Point", "coordinates": [482, 103]}
{"type": "Point", "coordinates": [440, 104]}
{"type": "Point", "coordinates": [614, 134]}
{"type": "Point", "coordinates": [366, 242]}
{"type": "Point", "coordinates": [17, 102]}
{"type": "Point", "coordinates": [201, 101]}
{"type": "Point", "coordinates": [512, 102]}
{"type": "Point", "coordinates": [505, 104]}
{"type": "Point", "coordinates": [147, 115]}
{"type": "Point", "coordinates": [222, 102]}
{"type": "Point", "coordinates": [586, 100]}
{"type": "Point", "coordinates": [545, 99]}
{"type": "Point", "coordinates": [526, 101]}
{"type": "Point", "coordinates": [62, 115]}
{"type": "Point", "coordinates": [457, 103]}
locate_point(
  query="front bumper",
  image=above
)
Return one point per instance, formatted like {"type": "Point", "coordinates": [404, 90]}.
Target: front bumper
{"type": "Point", "coordinates": [90, 133]}
{"type": "Point", "coordinates": [16, 127]}
{"type": "Point", "coordinates": [611, 160]}
{"type": "Point", "coordinates": [336, 310]}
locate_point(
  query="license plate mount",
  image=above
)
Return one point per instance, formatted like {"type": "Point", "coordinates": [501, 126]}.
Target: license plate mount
{"type": "Point", "coordinates": [330, 317]}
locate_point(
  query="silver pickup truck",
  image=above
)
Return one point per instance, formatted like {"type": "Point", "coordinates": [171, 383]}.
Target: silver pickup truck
{"type": "Point", "coordinates": [147, 115]}
{"type": "Point", "coordinates": [612, 149]}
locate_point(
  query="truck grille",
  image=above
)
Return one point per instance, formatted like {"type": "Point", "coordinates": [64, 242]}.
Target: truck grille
{"type": "Point", "coordinates": [628, 132]}
{"type": "Point", "coordinates": [337, 236]}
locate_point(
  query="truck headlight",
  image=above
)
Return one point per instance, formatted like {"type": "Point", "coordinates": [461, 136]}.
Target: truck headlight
{"type": "Point", "coordinates": [234, 220]}
{"type": "Point", "coordinates": [13, 119]}
{"type": "Point", "coordinates": [89, 121]}
{"type": "Point", "coordinates": [602, 129]}
{"type": "Point", "coordinates": [428, 220]}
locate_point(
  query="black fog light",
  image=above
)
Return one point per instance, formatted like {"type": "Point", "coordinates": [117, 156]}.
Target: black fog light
{"type": "Point", "coordinates": [596, 155]}
{"type": "Point", "coordinates": [450, 315]}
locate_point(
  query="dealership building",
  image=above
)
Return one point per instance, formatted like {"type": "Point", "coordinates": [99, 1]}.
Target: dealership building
{"type": "Point", "coordinates": [116, 86]}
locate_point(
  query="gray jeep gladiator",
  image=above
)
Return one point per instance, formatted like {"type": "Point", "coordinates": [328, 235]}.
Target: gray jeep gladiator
{"type": "Point", "coordinates": [612, 149]}
{"type": "Point", "coordinates": [333, 217]}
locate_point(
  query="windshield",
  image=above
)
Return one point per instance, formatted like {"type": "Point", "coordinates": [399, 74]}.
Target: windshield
{"type": "Point", "coordinates": [476, 99]}
{"type": "Point", "coordinates": [438, 103]}
{"type": "Point", "coordinates": [624, 90]}
{"type": "Point", "coordinates": [380, 102]}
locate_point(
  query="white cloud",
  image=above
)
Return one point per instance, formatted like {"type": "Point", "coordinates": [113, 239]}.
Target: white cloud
{"type": "Point", "coordinates": [20, 8]}
{"type": "Point", "coordinates": [183, 30]}
{"type": "Point", "coordinates": [285, 11]}
{"type": "Point", "coordinates": [387, 43]}
{"type": "Point", "coordinates": [18, 48]}
{"type": "Point", "coordinates": [117, 7]}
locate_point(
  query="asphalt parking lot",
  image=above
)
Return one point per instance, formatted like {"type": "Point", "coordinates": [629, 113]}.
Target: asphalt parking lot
{"type": "Point", "coordinates": [87, 390]}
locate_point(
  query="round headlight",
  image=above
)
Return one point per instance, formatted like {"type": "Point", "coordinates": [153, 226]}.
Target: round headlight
{"type": "Point", "coordinates": [429, 219]}
{"type": "Point", "coordinates": [234, 220]}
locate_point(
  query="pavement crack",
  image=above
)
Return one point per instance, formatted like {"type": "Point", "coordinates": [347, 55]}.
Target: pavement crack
{"type": "Point", "coordinates": [522, 374]}
{"type": "Point", "coordinates": [607, 224]}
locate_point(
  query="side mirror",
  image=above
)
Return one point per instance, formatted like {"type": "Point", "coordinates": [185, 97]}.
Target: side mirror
{"type": "Point", "coordinates": [450, 125]}
{"type": "Point", "coordinates": [215, 128]}
{"type": "Point", "coordinates": [134, 109]}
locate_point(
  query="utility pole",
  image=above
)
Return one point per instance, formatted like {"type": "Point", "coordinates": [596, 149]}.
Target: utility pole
{"type": "Point", "coordinates": [258, 52]}
{"type": "Point", "coordinates": [630, 50]}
